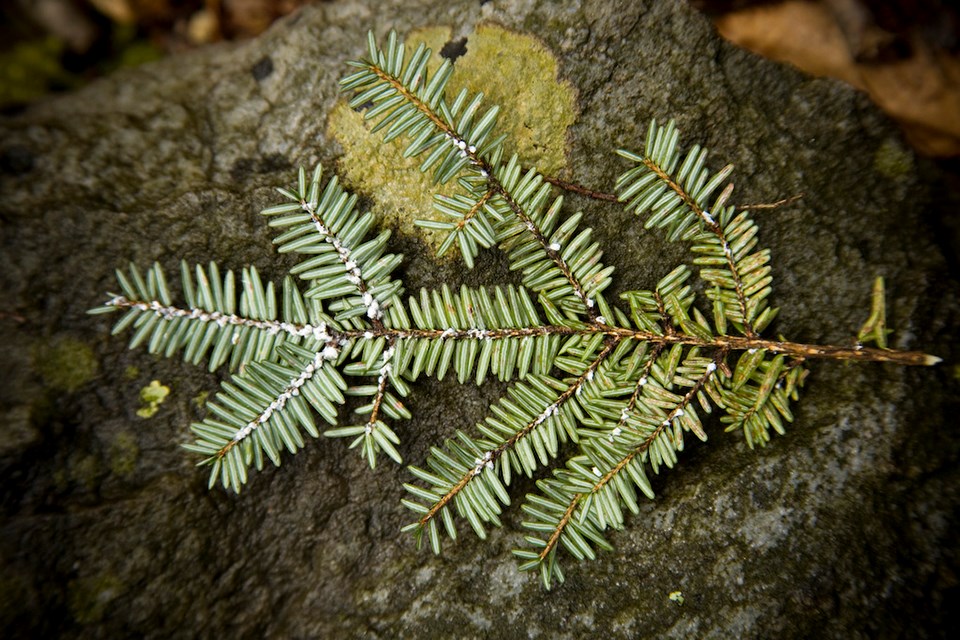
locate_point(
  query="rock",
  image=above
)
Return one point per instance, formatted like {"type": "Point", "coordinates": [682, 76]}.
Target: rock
{"type": "Point", "coordinates": [845, 527]}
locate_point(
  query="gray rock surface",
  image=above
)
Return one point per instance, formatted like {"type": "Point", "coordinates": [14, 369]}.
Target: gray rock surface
{"type": "Point", "coordinates": [844, 528]}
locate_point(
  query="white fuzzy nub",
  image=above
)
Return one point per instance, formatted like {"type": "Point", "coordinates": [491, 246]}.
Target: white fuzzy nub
{"type": "Point", "coordinates": [387, 367]}
{"type": "Point", "coordinates": [480, 463]}
{"type": "Point", "coordinates": [330, 353]}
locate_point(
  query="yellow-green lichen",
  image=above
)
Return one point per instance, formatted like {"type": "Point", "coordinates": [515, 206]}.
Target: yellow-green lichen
{"type": "Point", "coordinates": [65, 364]}
{"type": "Point", "coordinates": [89, 598]}
{"type": "Point", "coordinates": [60, 480]}
{"type": "Point", "coordinates": [400, 193]}
{"type": "Point", "coordinates": [892, 160]}
{"type": "Point", "coordinates": [151, 397]}
{"type": "Point", "coordinates": [200, 400]}
{"type": "Point", "coordinates": [434, 37]}
{"type": "Point", "coordinates": [496, 62]}
{"type": "Point", "coordinates": [499, 63]}
{"type": "Point", "coordinates": [123, 455]}
{"type": "Point", "coordinates": [84, 470]}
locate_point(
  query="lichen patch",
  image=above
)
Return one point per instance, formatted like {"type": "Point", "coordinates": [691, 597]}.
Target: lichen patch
{"type": "Point", "coordinates": [497, 60]}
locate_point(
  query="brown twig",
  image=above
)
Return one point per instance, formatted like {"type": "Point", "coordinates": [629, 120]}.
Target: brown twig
{"type": "Point", "coordinates": [576, 188]}
{"type": "Point", "coordinates": [771, 205]}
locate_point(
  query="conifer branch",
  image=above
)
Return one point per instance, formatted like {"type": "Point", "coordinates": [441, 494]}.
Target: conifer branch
{"type": "Point", "coordinates": [725, 343]}
{"type": "Point", "coordinates": [291, 390]}
{"type": "Point", "coordinates": [329, 228]}
{"type": "Point", "coordinates": [490, 458]}
{"type": "Point", "coordinates": [170, 312]}
{"type": "Point", "coordinates": [711, 225]}
{"type": "Point", "coordinates": [649, 438]}
{"type": "Point", "coordinates": [555, 536]}
{"type": "Point", "coordinates": [618, 384]}
{"type": "Point", "coordinates": [638, 388]}
{"type": "Point", "coordinates": [475, 209]}
{"type": "Point", "coordinates": [742, 285]}
{"type": "Point", "coordinates": [332, 335]}
{"type": "Point", "coordinates": [551, 249]}
{"type": "Point", "coordinates": [461, 142]}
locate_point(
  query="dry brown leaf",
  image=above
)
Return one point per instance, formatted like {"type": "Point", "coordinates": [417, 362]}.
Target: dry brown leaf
{"type": "Point", "coordinates": [922, 92]}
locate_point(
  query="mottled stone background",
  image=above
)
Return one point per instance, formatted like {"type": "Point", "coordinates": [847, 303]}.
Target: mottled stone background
{"type": "Point", "coordinates": [844, 528]}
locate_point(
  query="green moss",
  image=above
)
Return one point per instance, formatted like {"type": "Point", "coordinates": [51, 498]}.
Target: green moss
{"type": "Point", "coordinates": [200, 400]}
{"type": "Point", "coordinates": [60, 480]}
{"type": "Point", "coordinates": [892, 160]}
{"type": "Point", "coordinates": [89, 598]}
{"type": "Point", "coordinates": [84, 471]}
{"type": "Point", "coordinates": [151, 397]}
{"type": "Point", "coordinates": [123, 454]}
{"type": "Point", "coordinates": [496, 61]}
{"type": "Point", "coordinates": [131, 372]}
{"type": "Point", "coordinates": [65, 364]}
{"type": "Point", "coordinates": [31, 69]}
